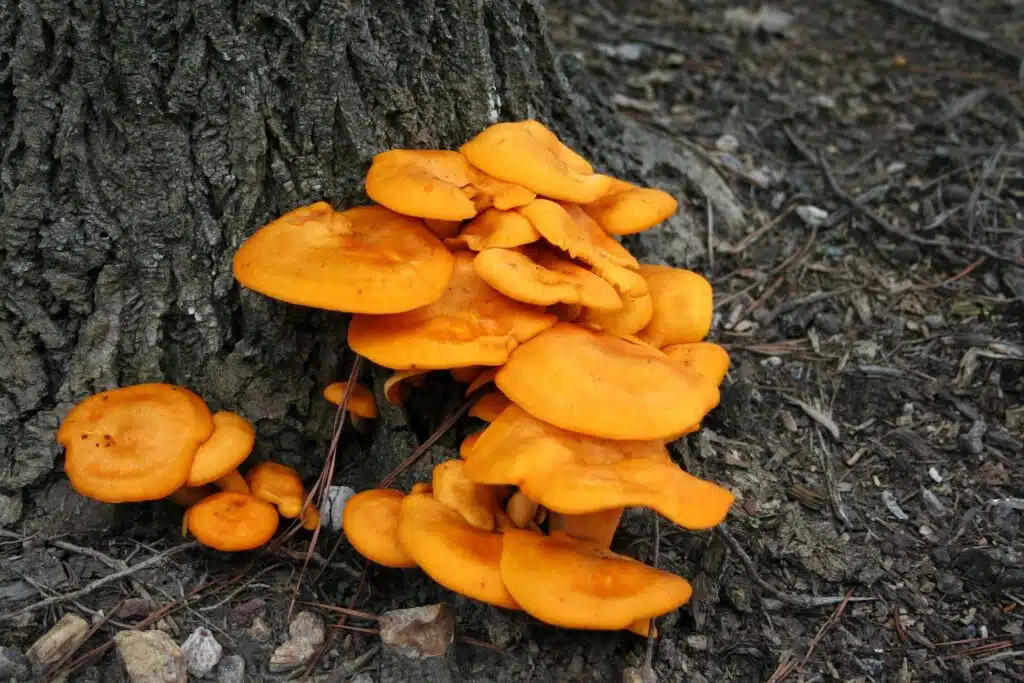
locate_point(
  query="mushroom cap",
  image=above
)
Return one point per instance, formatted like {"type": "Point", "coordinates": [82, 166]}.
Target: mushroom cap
{"type": "Point", "coordinates": [533, 277]}
{"type": "Point", "coordinates": [370, 523]}
{"type": "Point", "coordinates": [471, 324]}
{"type": "Point", "coordinates": [451, 551]}
{"type": "Point", "coordinates": [683, 305]}
{"type": "Point", "coordinates": [706, 359]}
{"type": "Point", "coordinates": [368, 259]}
{"type": "Point", "coordinates": [227, 448]}
{"type": "Point", "coordinates": [494, 229]}
{"type": "Point", "coordinates": [489, 406]}
{"type": "Point", "coordinates": [443, 229]}
{"type": "Point", "coordinates": [633, 314]}
{"type": "Point", "coordinates": [607, 386]}
{"type": "Point", "coordinates": [360, 401]}
{"type": "Point", "coordinates": [483, 378]}
{"type": "Point", "coordinates": [530, 155]}
{"type": "Point", "coordinates": [520, 509]}
{"type": "Point", "coordinates": [568, 228]}
{"type": "Point", "coordinates": [627, 209]}
{"type": "Point", "coordinates": [452, 488]}
{"type": "Point", "coordinates": [573, 584]}
{"type": "Point", "coordinates": [574, 474]}
{"type": "Point", "coordinates": [133, 443]}
{"type": "Point", "coordinates": [396, 387]}
{"type": "Point", "coordinates": [467, 444]}
{"type": "Point", "coordinates": [422, 182]}
{"type": "Point", "coordinates": [278, 484]}
{"type": "Point", "coordinates": [232, 521]}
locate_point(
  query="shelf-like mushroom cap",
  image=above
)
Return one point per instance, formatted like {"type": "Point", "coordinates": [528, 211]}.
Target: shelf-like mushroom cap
{"type": "Point", "coordinates": [683, 305]}
{"type": "Point", "coordinates": [232, 521]}
{"type": "Point", "coordinates": [627, 209]}
{"type": "Point", "coordinates": [633, 314]}
{"type": "Point", "coordinates": [360, 400]}
{"type": "Point", "coordinates": [230, 444]}
{"type": "Point", "coordinates": [606, 386]}
{"type": "Point", "coordinates": [451, 551]}
{"type": "Point", "coordinates": [574, 584]}
{"type": "Point", "coordinates": [474, 502]}
{"type": "Point", "coordinates": [278, 484]}
{"type": "Point", "coordinates": [494, 229]}
{"type": "Point", "coordinates": [701, 358]}
{"type": "Point", "coordinates": [489, 406]}
{"type": "Point", "coordinates": [471, 324]}
{"type": "Point", "coordinates": [370, 522]}
{"type": "Point", "coordinates": [134, 443]}
{"type": "Point", "coordinates": [536, 276]}
{"type": "Point", "coordinates": [368, 259]}
{"type": "Point", "coordinates": [528, 154]}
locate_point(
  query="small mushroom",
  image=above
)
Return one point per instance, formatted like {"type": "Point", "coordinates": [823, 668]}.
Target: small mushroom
{"type": "Point", "coordinates": [361, 404]}
{"type": "Point", "coordinates": [495, 229]}
{"type": "Point", "coordinates": [682, 306]}
{"type": "Point", "coordinates": [451, 551]}
{"type": "Point", "coordinates": [633, 314]}
{"type": "Point", "coordinates": [281, 485]}
{"type": "Point", "coordinates": [397, 386]}
{"type": "Point", "coordinates": [599, 526]}
{"type": "Point", "coordinates": [474, 502]}
{"type": "Point", "coordinates": [218, 457]}
{"type": "Point", "coordinates": [521, 510]}
{"type": "Point", "coordinates": [607, 386]}
{"type": "Point", "coordinates": [627, 209]}
{"type": "Point", "coordinates": [134, 443]}
{"type": "Point", "coordinates": [368, 259]}
{"type": "Point", "coordinates": [706, 359]}
{"type": "Point", "coordinates": [528, 154]}
{"type": "Point", "coordinates": [489, 406]}
{"type": "Point", "coordinates": [466, 447]}
{"type": "Point", "coordinates": [370, 523]}
{"type": "Point", "coordinates": [574, 584]}
{"type": "Point", "coordinates": [471, 324]}
{"type": "Point", "coordinates": [232, 521]}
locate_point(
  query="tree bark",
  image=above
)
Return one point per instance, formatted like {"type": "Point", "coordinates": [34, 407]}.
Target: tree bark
{"type": "Point", "coordinates": [144, 141]}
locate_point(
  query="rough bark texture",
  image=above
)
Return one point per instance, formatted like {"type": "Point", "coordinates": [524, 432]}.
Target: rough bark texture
{"type": "Point", "coordinates": [143, 141]}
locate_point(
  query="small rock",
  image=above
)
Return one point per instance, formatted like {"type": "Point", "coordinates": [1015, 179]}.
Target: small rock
{"type": "Point", "coordinates": [895, 167]}
{"type": "Point", "coordinates": [972, 441]}
{"type": "Point", "coordinates": [727, 143]}
{"type": "Point", "coordinates": [202, 652]}
{"type": "Point", "coordinates": [935, 321]}
{"type": "Point", "coordinates": [306, 634]}
{"type": "Point", "coordinates": [134, 608]}
{"type": "Point", "coordinates": [231, 669]}
{"type": "Point", "coordinates": [865, 349]}
{"type": "Point", "coordinates": [947, 582]}
{"type": "Point", "coordinates": [10, 508]}
{"type": "Point", "coordinates": [824, 101]}
{"type": "Point", "coordinates": [64, 638]}
{"type": "Point", "coordinates": [419, 632]}
{"type": "Point", "coordinates": [13, 665]}
{"type": "Point", "coordinates": [362, 677]}
{"type": "Point", "coordinates": [638, 674]}
{"type": "Point", "coordinates": [151, 657]}
{"type": "Point", "coordinates": [829, 323]}
{"type": "Point", "coordinates": [333, 507]}
{"type": "Point", "coordinates": [812, 216]}
{"type": "Point", "coordinates": [934, 506]}
{"type": "Point", "coordinates": [697, 642]}
{"type": "Point", "coordinates": [259, 631]}
{"type": "Point", "coordinates": [768, 19]}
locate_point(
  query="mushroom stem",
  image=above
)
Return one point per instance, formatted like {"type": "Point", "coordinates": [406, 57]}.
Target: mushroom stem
{"type": "Point", "coordinates": [232, 481]}
{"type": "Point", "coordinates": [597, 526]}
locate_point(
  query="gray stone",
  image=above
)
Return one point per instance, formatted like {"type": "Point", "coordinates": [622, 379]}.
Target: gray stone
{"type": "Point", "coordinates": [419, 632]}
{"type": "Point", "coordinates": [202, 652]}
{"type": "Point", "coordinates": [10, 508]}
{"type": "Point", "coordinates": [306, 633]}
{"type": "Point", "coordinates": [151, 657]}
{"type": "Point", "coordinates": [231, 670]}
{"type": "Point", "coordinates": [66, 636]}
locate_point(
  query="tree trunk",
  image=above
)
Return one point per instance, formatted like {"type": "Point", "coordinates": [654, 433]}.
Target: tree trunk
{"type": "Point", "coordinates": [143, 141]}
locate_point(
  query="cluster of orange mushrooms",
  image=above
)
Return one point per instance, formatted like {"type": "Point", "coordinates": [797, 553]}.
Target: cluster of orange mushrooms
{"type": "Point", "coordinates": [161, 441]}
{"type": "Point", "coordinates": [498, 263]}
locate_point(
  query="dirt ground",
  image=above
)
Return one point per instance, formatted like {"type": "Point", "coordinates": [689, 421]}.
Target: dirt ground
{"type": "Point", "coordinates": [872, 425]}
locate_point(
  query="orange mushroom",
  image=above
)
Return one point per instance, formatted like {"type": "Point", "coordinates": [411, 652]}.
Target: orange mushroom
{"type": "Point", "coordinates": [574, 474]}
{"type": "Point", "coordinates": [702, 358]}
{"type": "Point", "coordinates": [474, 502]}
{"type": "Point", "coordinates": [521, 509]}
{"type": "Point", "coordinates": [471, 324]}
{"type": "Point", "coordinates": [607, 386]}
{"type": "Point", "coordinates": [281, 485]}
{"type": "Point", "coordinates": [133, 443]}
{"type": "Point", "coordinates": [370, 523]}
{"type": "Point", "coordinates": [396, 387]}
{"type": "Point", "coordinates": [482, 379]}
{"type": "Point", "coordinates": [364, 260]}
{"type": "Point", "coordinates": [489, 406]}
{"type": "Point", "coordinates": [633, 314]}
{"type": "Point", "coordinates": [361, 402]}
{"type": "Point", "coordinates": [443, 229]}
{"type": "Point", "coordinates": [217, 458]}
{"type": "Point", "coordinates": [232, 521]}
{"type": "Point", "coordinates": [599, 526]}
{"type": "Point", "coordinates": [565, 582]}
{"type": "Point", "coordinates": [682, 306]}
{"type": "Point", "coordinates": [466, 447]}
{"type": "Point", "coordinates": [530, 155]}
{"type": "Point", "coordinates": [627, 209]}
{"type": "Point", "coordinates": [451, 551]}
{"type": "Point", "coordinates": [540, 278]}
{"type": "Point", "coordinates": [495, 229]}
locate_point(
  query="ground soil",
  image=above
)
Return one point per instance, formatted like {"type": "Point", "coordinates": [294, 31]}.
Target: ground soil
{"type": "Point", "coordinates": [872, 422]}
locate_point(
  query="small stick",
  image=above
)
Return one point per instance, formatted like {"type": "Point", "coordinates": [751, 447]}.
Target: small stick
{"type": "Point", "coordinates": [648, 668]}
{"type": "Point", "coordinates": [99, 583]}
